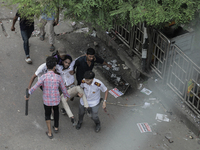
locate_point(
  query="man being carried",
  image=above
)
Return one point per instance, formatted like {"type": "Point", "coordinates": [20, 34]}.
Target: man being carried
{"type": "Point", "coordinates": [64, 71]}
{"type": "Point", "coordinates": [50, 83]}
{"type": "Point", "coordinates": [92, 88]}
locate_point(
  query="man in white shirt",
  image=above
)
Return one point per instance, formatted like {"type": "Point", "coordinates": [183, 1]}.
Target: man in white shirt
{"type": "Point", "coordinates": [64, 71]}
{"type": "Point", "coordinates": [92, 88]}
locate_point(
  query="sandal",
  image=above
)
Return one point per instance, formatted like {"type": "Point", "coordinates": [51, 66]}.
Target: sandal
{"type": "Point", "coordinates": [51, 137]}
{"type": "Point", "coordinates": [56, 131]}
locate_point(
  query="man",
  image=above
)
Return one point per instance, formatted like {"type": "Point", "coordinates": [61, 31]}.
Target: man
{"type": "Point", "coordinates": [50, 22]}
{"type": "Point", "coordinates": [86, 63]}
{"type": "Point", "coordinates": [64, 71]}
{"type": "Point", "coordinates": [92, 88]}
{"type": "Point", "coordinates": [50, 83]}
{"type": "Point", "coordinates": [26, 26]}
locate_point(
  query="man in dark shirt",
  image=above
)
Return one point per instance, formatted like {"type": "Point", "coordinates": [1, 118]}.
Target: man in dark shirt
{"type": "Point", "coordinates": [86, 63]}
{"type": "Point", "coordinates": [26, 26]}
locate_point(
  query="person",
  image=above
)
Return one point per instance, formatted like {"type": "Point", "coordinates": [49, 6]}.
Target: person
{"type": "Point", "coordinates": [86, 63]}
{"type": "Point", "coordinates": [50, 21]}
{"type": "Point", "coordinates": [50, 83]}
{"type": "Point", "coordinates": [26, 24]}
{"type": "Point", "coordinates": [92, 88]}
{"type": "Point", "coordinates": [64, 71]}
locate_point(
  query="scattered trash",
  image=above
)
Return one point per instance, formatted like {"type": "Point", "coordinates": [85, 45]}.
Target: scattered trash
{"type": "Point", "coordinates": [140, 86]}
{"type": "Point", "coordinates": [146, 105]}
{"type": "Point", "coordinates": [144, 127]}
{"type": "Point", "coordinates": [73, 23]}
{"type": "Point", "coordinates": [94, 34]}
{"type": "Point", "coordinates": [185, 139]}
{"type": "Point", "coordinates": [115, 92]}
{"type": "Point", "coordinates": [146, 91]}
{"type": "Point", "coordinates": [36, 32]}
{"type": "Point", "coordinates": [161, 117]}
{"type": "Point", "coordinates": [152, 99]}
{"type": "Point", "coordinates": [113, 76]}
{"type": "Point", "coordinates": [106, 67]}
{"type": "Point", "coordinates": [124, 66]}
{"type": "Point", "coordinates": [169, 140]}
{"type": "Point", "coordinates": [82, 30]}
{"type": "Point", "coordinates": [107, 32]}
{"type": "Point", "coordinates": [18, 110]}
{"type": "Point", "coordinates": [156, 80]}
{"type": "Point", "coordinates": [95, 43]}
{"type": "Point", "coordinates": [191, 137]}
{"type": "Point", "coordinates": [115, 68]}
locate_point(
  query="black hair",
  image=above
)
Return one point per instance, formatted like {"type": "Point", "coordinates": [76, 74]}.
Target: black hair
{"type": "Point", "coordinates": [51, 62]}
{"type": "Point", "coordinates": [89, 75]}
{"type": "Point", "coordinates": [67, 57]}
{"type": "Point", "coordinates": [90, 51]}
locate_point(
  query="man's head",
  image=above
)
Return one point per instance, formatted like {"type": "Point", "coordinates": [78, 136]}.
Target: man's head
{"type": "Point", "coordinates": [90, 54]}
{"type": "Point", "coordinates": [89, 76]}
{"type": "Point", "coordinates": [51, 62]}
{"type": "Point", "coordinates": [67, 61]}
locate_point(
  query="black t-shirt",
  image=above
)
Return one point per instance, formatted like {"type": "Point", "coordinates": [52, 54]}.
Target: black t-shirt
{"type": "Point", "coordinates": [82, 66]}
{"type": "Point", "coordinates": [24, 23]}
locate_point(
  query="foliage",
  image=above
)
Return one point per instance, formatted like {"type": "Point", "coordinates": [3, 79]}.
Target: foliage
{"type": "Point", "coordinates": [155, 13]}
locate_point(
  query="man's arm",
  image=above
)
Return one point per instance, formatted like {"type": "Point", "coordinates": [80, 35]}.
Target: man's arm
{"type": "Point", "coordinates": [31, 81]}
{"type": "Point", "coordinates": [13, 24]}
{"type": "Point", "coordinates": [105, 99]}
{"type": "Point", "coordinates": [63, 88]}
{"type": "Point", "coordinates": [108, 65]}
{"type": "Point", "coordinates": [101, 61]}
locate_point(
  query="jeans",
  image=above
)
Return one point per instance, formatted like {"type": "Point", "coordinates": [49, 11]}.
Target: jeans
{"type": "Point", "coordinates": [26, 34]}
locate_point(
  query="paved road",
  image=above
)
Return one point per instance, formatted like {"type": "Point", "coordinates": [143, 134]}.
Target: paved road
{"type": "Point", "coordinates": [119, 124]}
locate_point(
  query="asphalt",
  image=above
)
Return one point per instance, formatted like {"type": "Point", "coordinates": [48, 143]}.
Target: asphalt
{"type": "Point", "coordinates": [119, 130]}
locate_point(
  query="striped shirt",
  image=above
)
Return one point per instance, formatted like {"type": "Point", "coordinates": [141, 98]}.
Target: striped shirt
{"type": "Point", "coordinates": [50, 83]}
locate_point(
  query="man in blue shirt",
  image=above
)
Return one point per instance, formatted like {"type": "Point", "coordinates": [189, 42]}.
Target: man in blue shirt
{"type": "Point", "coordinates": [50, 21]}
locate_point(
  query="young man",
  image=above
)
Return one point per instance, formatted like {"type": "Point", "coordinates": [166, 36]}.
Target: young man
{"type": "Point", "coordinates": [50, 22]}
{"type": "Point", "coordinates": [64, 71]}
{"type": "Point", "coordinates": [92, 88]}
{"type": "Point", "coordinates": [86, 63]}
{"type": "Point", "coordinates": [26, 26]}
{"type": "Point", "coordinates": [50, 83]}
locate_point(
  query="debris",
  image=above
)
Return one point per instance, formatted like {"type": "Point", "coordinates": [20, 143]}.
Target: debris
{"type": "Point", "coordinates": [156, 80]}
{"type": "Point", "coordinates": [106, 67]}
{"type": "Point", "coordinates": [95, 43]}
{"type": "Point", "coordinates": [73, 23]}
{"type": "Point", "coordinates": [169, 140]}
{"type": "Point", "coordinates": [191, 137]}
{"type": "Point", "coordinates": [115, 68]}
{"type": "Point", "coordinates": [82, 30]}
{"type": "Point", "coordinates": [115, 92]}
{"type": "Point", "coordinates": [18, 110]}
{"type": "Point", "coordinates": [124, 66]}
{"type": "Point", "coordinates": [146, 91]}
{"type": "Point", "coordinates": [94, 34]}
{"type": "Point", "coordinates": [152, 99]}
{"type": "Point", "coordinates": [140, 86]}
{"type": "Point", "coordinates": [144, 127]}
{"type": "Point", "coordinates": [146, 105]}
{"type": "Point", "coordinates": [161, 117]}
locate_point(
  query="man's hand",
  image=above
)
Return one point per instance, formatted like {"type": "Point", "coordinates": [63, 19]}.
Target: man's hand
{"type": "Point", "coordinates": [26, 98]}
{"type": "Point", "coordinates": [12, 28]}
{"type": "Point", "coordinates": [72, 72]}
{"type": "Point", "coordinates": [104, 105]}
{"type": "Point", "coordinates": [108, 65]}
{"type": "Point", "coordinates": [80, 94]}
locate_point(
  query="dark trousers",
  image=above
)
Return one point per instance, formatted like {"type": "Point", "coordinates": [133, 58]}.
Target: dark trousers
{"type": "Point", "coordinates": [94, 113]}
{"type": "Point", "coordinates": [48, 114]}
{"type": "Point", "coordinates": [26, 34]}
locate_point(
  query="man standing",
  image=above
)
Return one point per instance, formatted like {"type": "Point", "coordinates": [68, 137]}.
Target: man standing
{"type": "Point", "coordinates": [26, 26]}
{"type": "Point", "coordinates": [50, 83]}
{"type": "Point", "coordinates": [64, 71]}
{"type": "Point", "coordinates": [92, 88]}
{"type": "Point", "coordinates": [86, 63]}
{"type": "Point", "coordinates": [50, 22]}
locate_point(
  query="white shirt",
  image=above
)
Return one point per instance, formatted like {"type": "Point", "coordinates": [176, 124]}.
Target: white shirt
{"type": "Point", "coordinates": [92, 92]}
{"type": "Point", "coordinates": [42, 69]}
{"type": "Point", "coordinates": [66, 76]}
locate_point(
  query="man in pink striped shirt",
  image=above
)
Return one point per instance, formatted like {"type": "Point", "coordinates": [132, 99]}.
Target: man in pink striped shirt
{"type": "Point", "coordinates": [50, 83]}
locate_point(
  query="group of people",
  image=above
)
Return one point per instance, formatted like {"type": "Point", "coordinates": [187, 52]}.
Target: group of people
{"type": "Point", "coordinates": [56, 80]}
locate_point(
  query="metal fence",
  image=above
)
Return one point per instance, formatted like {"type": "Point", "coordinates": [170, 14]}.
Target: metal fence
{"type": "Point", "coordinates": [169, 62]}
{"type": "Point", "coordinates": [184, 77]}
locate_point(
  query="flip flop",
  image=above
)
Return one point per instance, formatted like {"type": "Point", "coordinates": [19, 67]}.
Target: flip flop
{"type": "Point", "coordinates": [56, 131]}
{"type": "Point", "coordinates": [51, 137]}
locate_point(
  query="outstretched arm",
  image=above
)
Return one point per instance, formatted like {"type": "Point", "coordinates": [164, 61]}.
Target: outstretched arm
{"type": "Point", "coordinates": [31, 81]}
{"type": "Point", "coordinates": [13, 24]}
